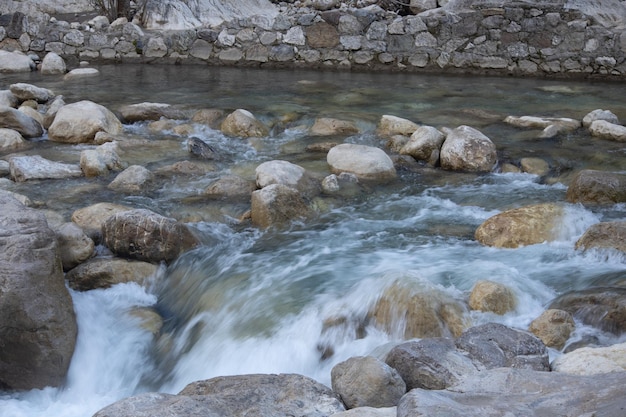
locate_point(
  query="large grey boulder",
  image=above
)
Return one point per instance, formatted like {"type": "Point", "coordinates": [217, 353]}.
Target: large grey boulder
{"type": "Point", "coordinates": [79, 122]}
{"type": "Point", "coordinates": [607, 130]}
{"type": "Point", "coordinates": [597, 187]}
{"type": "Point", "coordinates": [11, 62]}
{"type": "Point", "coordinates": [495, 345]}
{"type": "Point", "coordinates": [424, 144]}
{"type": "Point", "coordinates": [28, 127]}
{"type": "Point", "coordinates": [432, 363]}
{"type": "Point", "coordinates": [24, 168]}
{"type": "Point", "coordinates": [189, 14]}
{"type": "Point", "coordinates": [52, 63]}
{"type": "Point", "coordinates": [37, 322]}
{"type": "Point", "coordinates": [521, 392]}
{"type": "Point", "coordinates": [366, 162]}
{"type": "Point", "coordinates": [258, 395]}
{"type": "Point", "coordinates": [467, 149]}
{"type": "Point", "coordinates": [145, 235]}
{"type": "Point", "coordinates": [364, 381]}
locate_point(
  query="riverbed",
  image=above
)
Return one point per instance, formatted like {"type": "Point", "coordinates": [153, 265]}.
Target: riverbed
{"type": "Point", "coordinates": [255, 301]}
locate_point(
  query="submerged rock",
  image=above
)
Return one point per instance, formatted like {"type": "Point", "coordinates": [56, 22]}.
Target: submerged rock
{"type": "Point", "coordinates": [326, 126]}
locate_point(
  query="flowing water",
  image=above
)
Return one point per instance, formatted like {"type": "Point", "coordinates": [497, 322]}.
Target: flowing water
{"type": "Point", "coordinates": [252, 301]}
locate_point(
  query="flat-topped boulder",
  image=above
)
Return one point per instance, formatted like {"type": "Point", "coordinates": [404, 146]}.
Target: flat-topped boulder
{"type": "Point", "coordinates": [366, 162]}
{"type": "Point", "coordinates": [150, 111]}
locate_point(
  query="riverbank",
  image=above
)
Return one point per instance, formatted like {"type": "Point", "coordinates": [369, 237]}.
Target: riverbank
{"type": "Point", "coordinates": [536, 39]}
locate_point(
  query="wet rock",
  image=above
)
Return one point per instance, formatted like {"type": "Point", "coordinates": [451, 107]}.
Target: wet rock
{"type": "Point", "coordinates": [24, 91]}
{"type": "Point", "coordinates": [51, 111]}
{"type": "Point", "coordinates": [150, 111]}
{"type": "Point", "coordinates": [564, 123]}
{"type": "Point", "coordinates": [433, 363]}
{"type": "Point", "coordinates": [393, 125]}
{"type": "Point", "coordinates": [91, 218]}
{"type": "Point", "coordinates": [25, 168]}
{"type": "Point", "coordinates": [592, 361]}
{"type": "Point", "coordinates": [101, 160]}
{"type": "Point", "coordinates": [599, 114]}
{"type": "Point", "coordinates": [200, 148]}
{"type": "Point", "coordinates": [366, 162]}
{"type": "Point", "coordinates": [106, 272]}
{"type": "Point", "coordinates": [79, 122]}
{"type": "Point", "coordinates": [326, 126]}
{"type": "Point", "coordinates": [607, 130]}
{"type": "Point", "coordinates": [144, 235]}
{"type": "Point", "coordinates": [231, 188]}
{"type": "Point", "coordinates": [75, 247]}
{"type": "Point", "coordinates": [553, 327]}
{"type": "Point", "coordinates": [535, 166]}
{"type": "Point", "coordinates": [10, 140]}
{"type": "Point", "coordinates": [493, 297]}
{"type": "Point", "coordinates": [365, 381]}
{"type": "Point", "coordinates": [597, 187]}
{"type": "Point", "coordinates": [133, 180]}
{"type": "Point", "coordinates": [495, 345]}
{"type": "Point", "coordinates": [488, 393]}
{"type": "Point", "coordinates": [605, 235]}
{"type": "Point", "coordinates": [28, 127]}
{"type": "Point", "coordinates": [424, 144]}
{"type": "Point", "coordinates": [277, 205]}
{"type": "Point", "coordinates": [601, 307]}
{"type": "Point", "coordinates": [81, 73]}
{"type": "Point", "coordinates": [148, 319]}
{"type": "Point", "coordinates": [209, 117]}
{"type": "Point", "coordinates": [418, 310]}
{"type": "Point", "coordinates": [52, 63]}
{"type": "Point", "coordinates": [37, 322]}
{"type": "Point", "coordinates": [13, 62]}
{"type": "Point", "coordinates": [184, 168]}
{"type": "Point", "coordinates": [152, 404]}
{"type": "Point", "coordinates": [242, 123]}
{"type": "Point", "coordinates": [31, 112]}
{"type": "Point", "coordinates": [467, 149]}
{"type": "Point", "coordinates": [528, 225]}
{"type": "Point", "coordinates": [286, 173]}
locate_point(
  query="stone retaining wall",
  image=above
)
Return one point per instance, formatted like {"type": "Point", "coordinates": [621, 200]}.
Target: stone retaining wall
{"type": "Point", "coordinates": [519, 39]}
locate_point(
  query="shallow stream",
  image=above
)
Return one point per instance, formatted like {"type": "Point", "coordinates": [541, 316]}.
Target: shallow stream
{"type": "Point", "coordinates": [253, 301]}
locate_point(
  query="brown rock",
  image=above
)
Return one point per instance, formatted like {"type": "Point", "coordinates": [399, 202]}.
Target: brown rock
{"type": "Point", "coordinates": [605, 235]}
{"type": "Point", "coordinates": [492, 296]}
{"type": "Point", "coordinates": [553, 327]}
{"type": "Point", "coordinates": [597, 187]}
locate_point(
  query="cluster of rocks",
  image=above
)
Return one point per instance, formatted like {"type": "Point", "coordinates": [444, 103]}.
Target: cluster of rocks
{"type": "Point", "coordinates": [138, 240]}
{"type": "Point", "coordinates": [522, 38]}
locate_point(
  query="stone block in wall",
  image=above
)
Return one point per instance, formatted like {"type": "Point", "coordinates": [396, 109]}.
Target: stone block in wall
{"type": "Point", "coordinates": [419, 60]}
{"type": "Point", "coordinates": [268, 38]}
{"type": "Point", "coordinates": [295, 36]}
{"type": "Point", "coordinates": [425, 40]}
{"type": "Point", "coordinates": [310, 56]}
{"type": "Point", "coordinates": [362, 57]}
{"type": "Point", "coordinates": [349, 25]}
{"type": "Point", "coordinates": [376, 31]}
{"type": "Point", "coordinates": [351, 42]}
{"type": "Point", "coordinates": [56, 47]}
{"type": "Point", "coordinates": [74, 38]}
{"type": "Point", "coordinates": [374, 46]}
{"type": "Point", "coordinates": [108, 54]}
{"type": "Point", "coordinates": [155, 48]}
{"type": "Point", "coordinates": [400, 43]}
{"type": "Point", "coordinates": [258, 53]}
{"type": "Point", "coordinates": [230, 55]}
{"type": "Point", "coordinates": [322, 35]}
{"type": "Point", "coordinates": [413, 25]}
{"type": "Point", "coordinates": [282, 53]}
{"type": "Point", "coordinates": [201, 49]}
{"type": "Point", "coordinates": [98, 40]}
